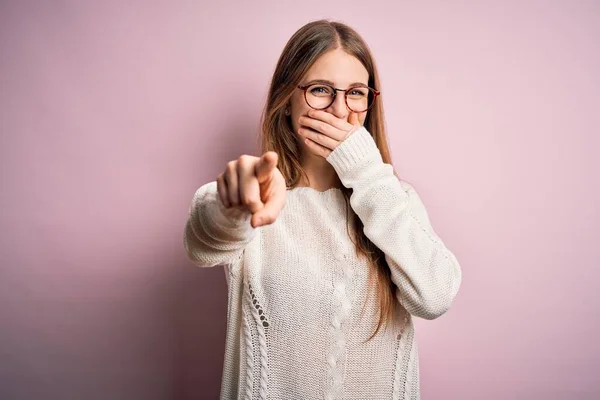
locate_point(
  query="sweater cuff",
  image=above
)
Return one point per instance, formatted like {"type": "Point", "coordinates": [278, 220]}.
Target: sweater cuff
{"type": "Point", "coordinates": [357, 151]}
{"type": "Point", "coordinates": [231, 217]}
{"type": "Point", "coordinates": [214, 215]}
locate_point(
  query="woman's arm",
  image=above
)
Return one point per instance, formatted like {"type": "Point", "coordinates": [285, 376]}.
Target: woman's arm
{"type": "Point", "coordinates": [426, 273]}
{"type": "Point", "coordinates": [215, 235]}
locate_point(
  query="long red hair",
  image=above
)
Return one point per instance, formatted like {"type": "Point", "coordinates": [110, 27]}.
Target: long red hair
{"type": "Point", "coordinates": [301, 51]}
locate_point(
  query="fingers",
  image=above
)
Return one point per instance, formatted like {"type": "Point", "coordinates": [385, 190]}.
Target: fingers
{"type": "Point", "coordinates": [255, 184]}
{"type": "Point", "coordinates": [238, 185]}
{"type": "Point", "coordinates": [231, 180]}
{"type": "Point", "coordinates": [318, 126]}
{"type": "Point", "coordinates": [322, 140]}
{"type": "Point", "coordinates": [273, 206]}
{"type": "Point", "coordinates": [354, 123]}
{"type": "Point", "coordinates": [249, 188]}
{"type": "Point", "coordinates": [353, 119]}
{"type": "Point", "coordinates": [328, 124]}
{"type": "Point", "coordinates": [317, 149]}
{"type": "Point", "coordinates": [222, 190]}
{"type": "Point", "coordinates": [329, 118]}
{"type": "Point", "coordinates": [265, 166]}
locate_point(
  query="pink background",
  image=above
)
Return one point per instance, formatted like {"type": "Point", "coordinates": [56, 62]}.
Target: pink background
{"type": "Point", "coordinates": [111, 116]}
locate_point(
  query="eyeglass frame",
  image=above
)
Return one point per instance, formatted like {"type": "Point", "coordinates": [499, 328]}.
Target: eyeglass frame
{"type": "Point", "coordinates": [304, 88]}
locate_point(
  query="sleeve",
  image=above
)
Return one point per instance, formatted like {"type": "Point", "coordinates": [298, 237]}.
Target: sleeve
{"type": "Point", "coordinates": [426, 273]}
{"type": "Point", "coordinates": [215, 235]}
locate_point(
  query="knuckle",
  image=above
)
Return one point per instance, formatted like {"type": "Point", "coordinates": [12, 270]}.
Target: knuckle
{"type": "Point", "coordinates": [250, 202]}
{"type": "Point", "coordinates": [244, 160]}
{"type": "Point", "coordinates": [246, 198]}
{"type": "Point", "coordinates": [231, 166]}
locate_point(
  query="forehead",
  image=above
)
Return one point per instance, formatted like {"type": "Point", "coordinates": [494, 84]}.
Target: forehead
{"type": "Point", "coordinates": [338, 67]}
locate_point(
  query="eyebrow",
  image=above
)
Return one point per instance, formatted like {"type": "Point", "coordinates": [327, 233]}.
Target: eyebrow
{"type": "Point", "coordinates": [326, 82]}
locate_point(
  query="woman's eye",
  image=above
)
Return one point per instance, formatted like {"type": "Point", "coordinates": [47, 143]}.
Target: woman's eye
{"type": "Point", "coordinates": [320, 90]}
{"type": "Point", "coordinates": [357, 92]}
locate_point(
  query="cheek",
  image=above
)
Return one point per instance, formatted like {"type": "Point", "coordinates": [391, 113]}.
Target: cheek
{"type": "Point", "coordinates": [298, 108]}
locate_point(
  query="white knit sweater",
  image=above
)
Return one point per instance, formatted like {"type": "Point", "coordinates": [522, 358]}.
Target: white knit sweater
{"type": "Point", "coordinates": [298, 312]}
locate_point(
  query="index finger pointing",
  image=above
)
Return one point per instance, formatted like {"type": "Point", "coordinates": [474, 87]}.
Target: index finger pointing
{"type": "Point", "coordinates": [269, 213]}
{"type": "Point", "coordinates": [266, 164]}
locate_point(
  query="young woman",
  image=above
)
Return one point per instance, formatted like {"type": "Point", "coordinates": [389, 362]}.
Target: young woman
{"type": "Point", "coordinates": [327, 254]}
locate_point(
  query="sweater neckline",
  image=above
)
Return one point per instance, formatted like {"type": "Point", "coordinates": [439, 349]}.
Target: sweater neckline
{"type": "Point", "coordinates": [308, 189]}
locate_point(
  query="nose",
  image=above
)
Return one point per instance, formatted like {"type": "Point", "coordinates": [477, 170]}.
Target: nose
{"type": "Point", "coordinates": [338, 107]}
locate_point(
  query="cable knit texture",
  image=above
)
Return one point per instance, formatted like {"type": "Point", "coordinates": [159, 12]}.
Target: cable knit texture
{"type": "Point", "coordinates": [299, 313]}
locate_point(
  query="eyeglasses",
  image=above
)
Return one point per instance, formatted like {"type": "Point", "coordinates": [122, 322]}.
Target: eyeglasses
{"type": "Point", "coordinates": [320, 96]}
